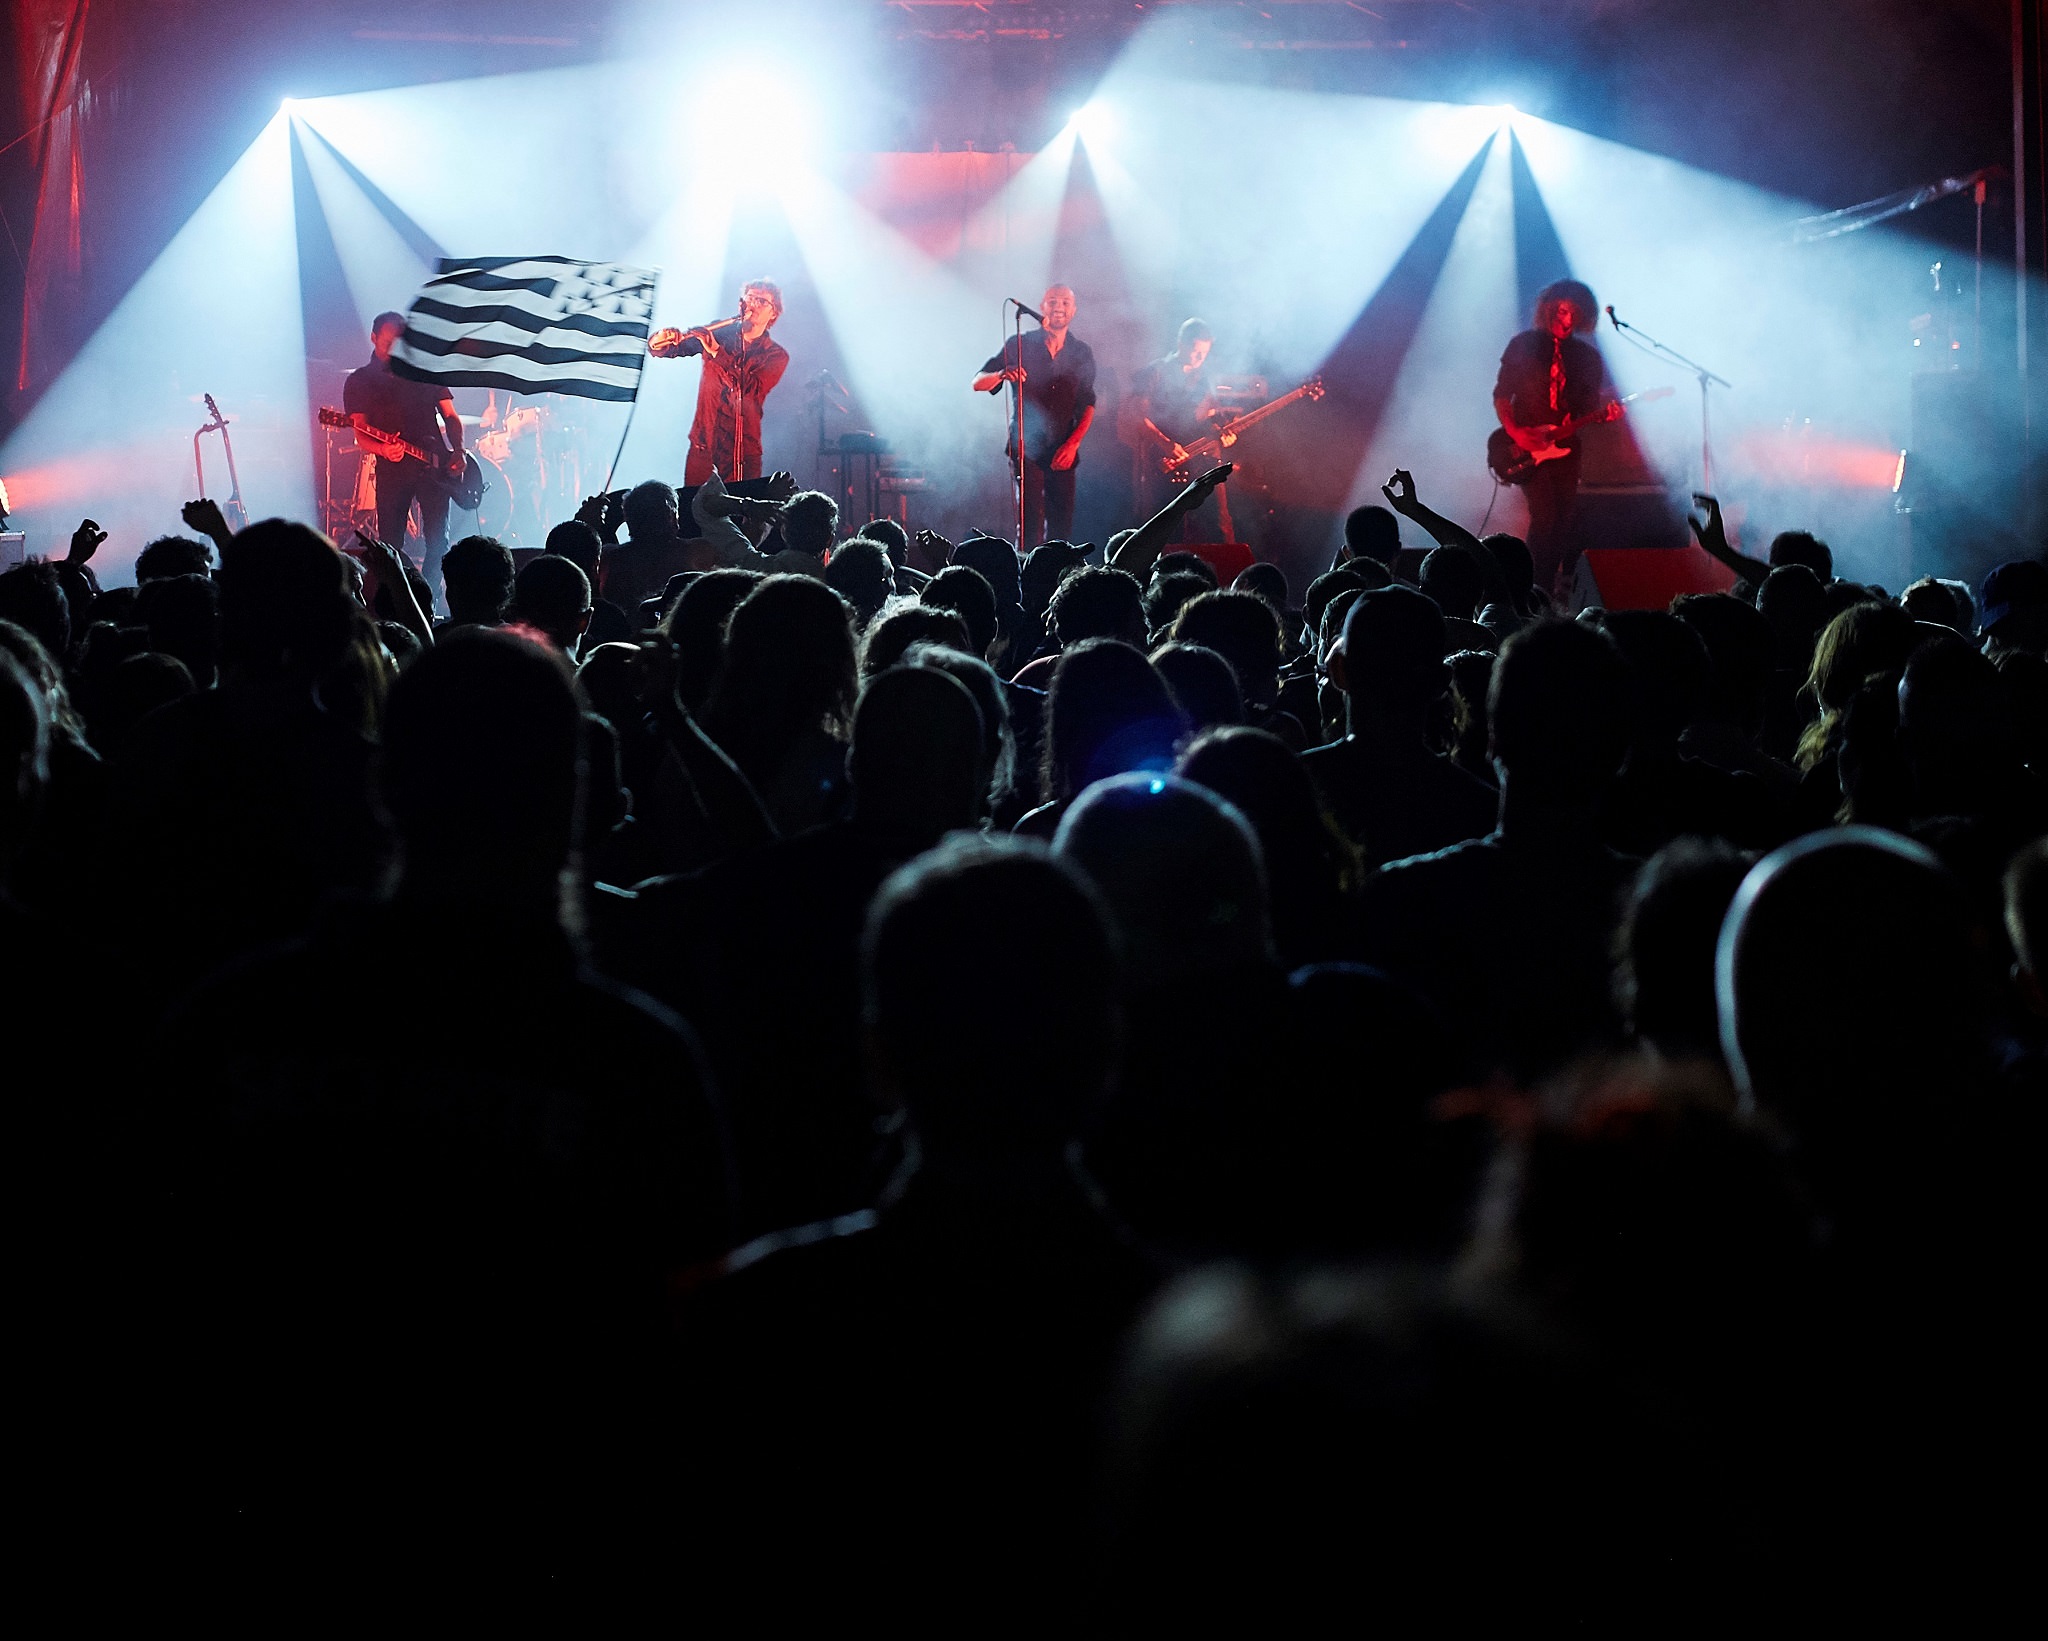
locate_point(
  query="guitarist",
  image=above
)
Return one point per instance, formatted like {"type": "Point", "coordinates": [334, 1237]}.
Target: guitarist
{"type": "Point", "coordinates": [1171, 404]}
{"type": "Point", "coordinates": [419, 412]}
{"type": "Point", "coordinates": [1547, 374]}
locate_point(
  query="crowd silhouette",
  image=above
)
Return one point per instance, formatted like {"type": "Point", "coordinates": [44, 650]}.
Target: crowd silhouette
{"type": "Point", "coordinates": [825, 1074]}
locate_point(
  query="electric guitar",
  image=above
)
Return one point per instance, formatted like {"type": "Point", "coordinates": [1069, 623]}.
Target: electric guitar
{"type": "Point", "coordinates": [465, 489]}
{"type": "Point", "coordinates": [1209, 447]}
{"type": "Point", "coordinates": [1512, 464]}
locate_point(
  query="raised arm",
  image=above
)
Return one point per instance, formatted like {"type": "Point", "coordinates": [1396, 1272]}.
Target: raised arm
{"type": "Point", "coordinates": [1137, 555]}
{"type": "Point", "coordinates": [1713, 535]}
{"type": "Point", "coordinates": [1400, 493]}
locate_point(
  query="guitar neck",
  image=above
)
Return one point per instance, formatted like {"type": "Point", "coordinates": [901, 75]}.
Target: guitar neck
{"type": "Point", "coordinates": [1252, 418]}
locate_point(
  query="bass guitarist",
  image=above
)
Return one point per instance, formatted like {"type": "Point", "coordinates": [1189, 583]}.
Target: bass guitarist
{"type": "Point", "coordinates": [419, 413]}
{"type": "Point", "coordinates": [1171, 404]}
{"type": "Point", "coordinates": [1547, 374]}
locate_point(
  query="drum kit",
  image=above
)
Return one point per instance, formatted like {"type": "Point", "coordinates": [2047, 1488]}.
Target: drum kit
{"type": "Point", "coordinates": [531, 454]}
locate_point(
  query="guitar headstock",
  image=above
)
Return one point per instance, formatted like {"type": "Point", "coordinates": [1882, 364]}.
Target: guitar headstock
{"type": "Point", "coordinates": [1313, 387]}
{"type": "Point", "coordinates": [330, 417]}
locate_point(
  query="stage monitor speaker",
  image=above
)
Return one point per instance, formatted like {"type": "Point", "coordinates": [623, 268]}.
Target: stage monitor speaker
{"type": "Point", "coordinates": [1647, 578]}
{"type": "Point", "coordinates": [1229, 559]}
{"type": "Point", "coordinates": [13, 548]}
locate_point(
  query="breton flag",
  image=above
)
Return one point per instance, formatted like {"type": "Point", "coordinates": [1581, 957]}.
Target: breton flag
{"type": "Point", "coordinates": [531, 324]}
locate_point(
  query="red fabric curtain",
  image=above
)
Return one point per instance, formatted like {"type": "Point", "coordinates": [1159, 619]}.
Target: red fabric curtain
{"type": "Point", "coordinates": [49, 37]}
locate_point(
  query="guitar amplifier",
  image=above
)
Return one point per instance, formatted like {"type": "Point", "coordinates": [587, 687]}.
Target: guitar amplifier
{"type": "Point", "coordinates": [13, 548]}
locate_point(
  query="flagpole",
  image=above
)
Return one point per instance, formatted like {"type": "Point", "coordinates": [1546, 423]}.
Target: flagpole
{"type": "Point", "coordinates": [631, 410]}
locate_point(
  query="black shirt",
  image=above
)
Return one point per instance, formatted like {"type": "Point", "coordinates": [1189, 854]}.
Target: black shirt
{"type": "Point", "coordinates": [392, 404]}
{"type": "Point", "coordinates": [1526, 378]}
{"type": "Point", "coordinates": [1174, 398]}
{"type": "Point", "coordinates": [1055, 390]}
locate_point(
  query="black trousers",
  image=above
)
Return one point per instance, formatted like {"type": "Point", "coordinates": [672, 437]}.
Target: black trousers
{"type": "Point", "coordinates": [399, 485]}
{"type": "Point", "coordinates": [1553, 496]}
{"type": "Point", "coordinates": [1048, 504]}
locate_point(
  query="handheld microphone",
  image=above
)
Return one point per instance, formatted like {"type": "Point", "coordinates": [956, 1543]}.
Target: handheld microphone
{"type": "Point", "coordinates": [1029, 313]}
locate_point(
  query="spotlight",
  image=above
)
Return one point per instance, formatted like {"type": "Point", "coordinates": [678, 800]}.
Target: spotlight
{"type": "Point", "coordinates": [757, 120]}
{"type": "Point", "coordinates": [1506, 111]}
{"type": "Point", "coordinates": [286, 104]}
{"type": "Point", "coordinates": [1094, 121]}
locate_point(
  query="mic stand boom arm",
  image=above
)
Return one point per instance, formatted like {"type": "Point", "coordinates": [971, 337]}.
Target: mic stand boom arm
{"type": "Point", "coordinates": [1707, 379]}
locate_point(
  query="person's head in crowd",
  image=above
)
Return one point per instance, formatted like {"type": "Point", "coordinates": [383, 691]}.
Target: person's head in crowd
{"type": "Point", "coordinates": [32, 597]}
{"type": "Point", "coordinates": [652, 512]}
{"type": "Point", "coordinates": [1934, 601]}
{"type": "Point", "coordinates": [477, 572]}
{"type": "Point", "coordinates": [1390, 663]}
{"type": "Point", "coordinates": [1868, 640]}
{"type": "Point", "coordinates": [789, 668]}
{"type": "Point", "coordinates": [695, 625]}
{"type": "Point", "coordinates": [1471, 673]}
{"type": "Point", "coordinates": [2026, 924]}
{"type": "Point", "coordinates": [482, 759]}
{"type": "Point", "coordinates": [1794, 602]}
{"type": "Point", "coordinates": [968, 595]}
{"type": "Point", "coordinates": [915, 756]}
{"type": "Point", "coordinates": [1247, 1393]}
{"type": "Point", "coordinates": [893, 537]}
{"type": "Point", "coordinates": [552, 596]}
{"type": "Point", "coordinates": [1308, 862]}
{"type": "Point", "coordinates": [1345, 578]}
{"type": "Point", "coordinates": [173, 555]}
{"type": "Point", "coordinates": [2026, 685]}
{"type": "Point", "coordinates": [609, 680]}
{"type": "Point", "coordinates": [1664, 948]}
{"type": "Point", "coordinates": [1242, 628]}
{"type": "Point", "coordinates": [1838, 595]}
{"type": "Point", "coordinates": [1373, 532]}
{"type": "Point", "coordinates": [995, 561]}
{"type": "Point", "coordinates": [941, 1033]}
{"type": "Point", "coordinates": [1167, 596]}
{"type": "Point", "coordinates": [1181, 561]}
{"type": "Point", "coordinates": [1330, 630]}
{"type": "Point", "coordinates": [1851, 1001]}
{"type": "Point", "coordinates": [47, 674]}
{"type": "Point", "coordinates": [810, 519]}
{"type": "Point", "coordinates": [1045, 571]}
{"type": "Point", "coordinates": [1517, 568]}
{"type": "Point", "coordinates": [181, 613]}
{"type": "Point", "coordinates": [998, 771]}
{"type": "Point", "coordinates": [1956, 731]}
{"type": "Point", "coordinates": [1803, 547]}
{"type": "Point", "coordinates": [285, 611]}
{"type": "Point", "coordinates": [24, 759]}
{"type": "Point", "coordinates": [131, 691]}
{"type": "Point", "coordinates": [1268, 582]}
{"type": "Point", "coordinates": [1098, 602]}
{"type": "Point", "coordinates": [1559, 716]}
{"type": "Point", "coordinates": [859, 571]}
{"type": "Point", "coordinates": [1181, 872]}
{"type": "Point", "coordinates": [909, 624]}
{"type": "Point", "coordinates": [1739, 651]}
{"type": "Point", "coordinates": [1672, 674]}
{"type": "Point", "coordinates": [2015, 606]}
{"type": "Point", "coordinates": [1203, 683]}
{"type": "Point", "coordinates": [1108, 713]}
{"type": "Point", "coordinates": [116, 606]}
{"type": "Point", "coordinates": [581, 545]}
{"type": "Point", "coordinates": [1452, 582]}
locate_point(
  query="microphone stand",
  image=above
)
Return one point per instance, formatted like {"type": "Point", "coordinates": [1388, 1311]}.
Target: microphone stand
{"type": "Point", "coordinates": [1017, 412]}
{"type": "Point", "coordinates": [1707, 379]}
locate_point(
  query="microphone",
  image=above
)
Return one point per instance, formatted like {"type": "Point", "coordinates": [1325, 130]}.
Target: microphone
{"type": "Point", "coordinates": [1611, 319]}
{"type": "Point", "coordinates": [1030, 313]}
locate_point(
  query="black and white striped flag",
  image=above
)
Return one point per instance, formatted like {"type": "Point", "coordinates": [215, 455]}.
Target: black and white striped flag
{"type": "Point", "coordinates": [533, 324]}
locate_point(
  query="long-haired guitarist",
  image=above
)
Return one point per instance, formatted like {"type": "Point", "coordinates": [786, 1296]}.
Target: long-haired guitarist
{"type": "Point", "coordinates": [1546, 375]}
{"type": "Point", "coordinates": [418, 413]}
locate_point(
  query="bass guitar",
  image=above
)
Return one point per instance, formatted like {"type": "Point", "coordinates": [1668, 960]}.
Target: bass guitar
{"type": "Point", "coordinates": [1205, 450]}
{"type": "Point", "coordinates": [465, 489]}
{"type": "Point", "coordinates": [1512, 464]}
